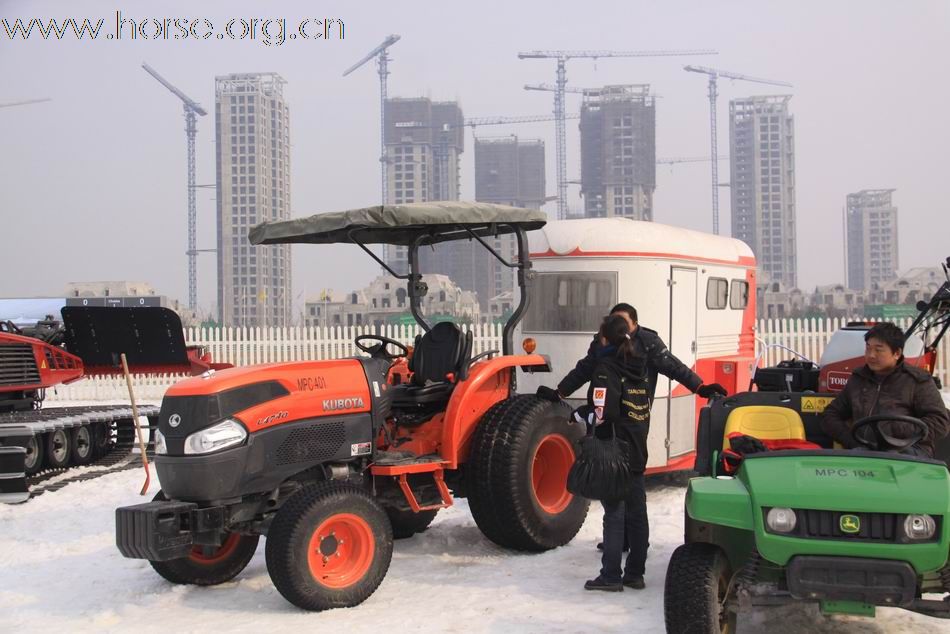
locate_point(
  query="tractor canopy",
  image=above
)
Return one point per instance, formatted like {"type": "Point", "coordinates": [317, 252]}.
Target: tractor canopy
{"type": "Point", "coordinates": [414, 225]}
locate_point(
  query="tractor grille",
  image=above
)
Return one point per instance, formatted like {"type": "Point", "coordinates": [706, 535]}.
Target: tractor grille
{"type": "Point", "coordinates": [18, 365]}
{"type": "Point", "coordinates": [313, 443]}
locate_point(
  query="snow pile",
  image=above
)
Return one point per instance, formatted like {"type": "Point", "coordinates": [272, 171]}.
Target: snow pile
{"type": "Point", "coordinates": [60, 571]}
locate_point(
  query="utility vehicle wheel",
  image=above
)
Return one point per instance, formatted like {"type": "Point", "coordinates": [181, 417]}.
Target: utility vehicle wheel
{"type": "Point", "coordinates": [521, 453]}
{"type": "Point", "coordinates": [33, 462]}
{"type": "Point", "coordinates": [209, 565]}
{"type": "Point", "coordinates": [697, 583]}
{"type": "Point", "coordinates": [81, 445]}
{"type": "Point", "coordinates": [57, 449]}
{"type": "Point", "coordinates": [329, 547]}
{"type": "Point", "coordinates": [405, 523]}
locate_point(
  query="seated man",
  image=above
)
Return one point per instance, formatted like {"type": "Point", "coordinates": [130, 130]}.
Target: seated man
{"type": "Point", "coordinates": [887, 385]}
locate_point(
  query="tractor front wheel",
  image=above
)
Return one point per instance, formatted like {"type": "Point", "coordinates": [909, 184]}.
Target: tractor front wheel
{"type": "Point", "coordinates": [329, 547]}
{"type": "Point", "coordinates": [209, 565]}
{"type": "Point", "coordinates": [695, 598]}
{"type": "Point", "coordinates": [521, 453]}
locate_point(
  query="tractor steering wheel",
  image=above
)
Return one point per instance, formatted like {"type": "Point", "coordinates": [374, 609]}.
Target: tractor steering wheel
{"type": "Point", "coordinates": [379, 350]}
{"type": "Point", "coordinates": [883, 441]}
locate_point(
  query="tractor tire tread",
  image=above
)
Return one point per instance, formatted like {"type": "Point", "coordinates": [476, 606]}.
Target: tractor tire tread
{"type": "Point", "coordinates": [283, 561]}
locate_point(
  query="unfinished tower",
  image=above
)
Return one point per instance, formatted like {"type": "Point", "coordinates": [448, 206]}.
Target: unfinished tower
{"type": "Point", "coordinates": [424, 141]}
{"type": "Point", "coordinates": [618, 152]}
{"type": "Point", "coordinates": [508, 171]}
{"type": "Point", "coordinates": [252, 135]}
{"type": "Point", "coordinates": [871, 238]}
{"type": "Point", "coordinates": [762, 160]}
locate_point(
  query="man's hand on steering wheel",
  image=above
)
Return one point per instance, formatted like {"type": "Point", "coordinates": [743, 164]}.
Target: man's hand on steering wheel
{"type": "Point", "coordinates": [379, 350]}
{"type": "Point", "coordinates": [882, 441]}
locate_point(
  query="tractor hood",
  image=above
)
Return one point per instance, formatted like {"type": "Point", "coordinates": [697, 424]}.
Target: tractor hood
{"type": "Point", "coordinates": [847, 481]}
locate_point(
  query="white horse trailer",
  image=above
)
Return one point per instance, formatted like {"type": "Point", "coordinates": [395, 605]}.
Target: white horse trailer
{"type": "Point", "coordinates": [696, 290]}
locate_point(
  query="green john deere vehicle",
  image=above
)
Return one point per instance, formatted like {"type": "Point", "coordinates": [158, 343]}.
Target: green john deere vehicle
{"type": "Point", "coordinates": [805, 521]}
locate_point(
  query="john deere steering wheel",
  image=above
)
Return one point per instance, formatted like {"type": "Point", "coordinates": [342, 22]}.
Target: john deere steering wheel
{"type": "Point", "coordinates": [883, 441]}
{"type": "Point", "coordinates": [379, 350]}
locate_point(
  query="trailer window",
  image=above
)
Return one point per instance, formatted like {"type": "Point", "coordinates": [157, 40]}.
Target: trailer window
{"type": "Point", "coordinates": [717, 289]}
{"type": "Point", "coordinates": [570, 302]}
{"type": "Point", "coordinates": [739, 294]}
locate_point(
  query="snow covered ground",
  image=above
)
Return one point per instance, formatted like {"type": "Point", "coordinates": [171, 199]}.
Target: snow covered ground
{"type": "Point", "coordinates": [60, 572]}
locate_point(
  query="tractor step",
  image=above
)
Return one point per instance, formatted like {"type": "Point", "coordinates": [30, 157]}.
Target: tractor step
{"type": "Point", "coordinates": [399, 458]}
{"type": "Point", "coordinates": [401, 470]}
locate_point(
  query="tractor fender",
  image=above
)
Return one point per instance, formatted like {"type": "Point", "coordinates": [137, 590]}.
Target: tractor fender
{"type": "Point", "coordinates": [720, 501]}
{"type": "Point", "coordinates": [488, 382]}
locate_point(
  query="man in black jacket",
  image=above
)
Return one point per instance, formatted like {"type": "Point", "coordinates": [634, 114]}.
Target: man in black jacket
{"type": "Point", "coordinates": [651, 353]}
{"type": "Point", "coordinates": [887, 385]}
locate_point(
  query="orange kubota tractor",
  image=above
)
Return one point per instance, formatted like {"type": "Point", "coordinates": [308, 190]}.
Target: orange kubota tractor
{"type": "Point", "coordinates": [331, 460]}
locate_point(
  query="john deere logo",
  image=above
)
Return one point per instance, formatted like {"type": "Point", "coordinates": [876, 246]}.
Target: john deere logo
{"type": "Point", "coordinates": [850, 524]}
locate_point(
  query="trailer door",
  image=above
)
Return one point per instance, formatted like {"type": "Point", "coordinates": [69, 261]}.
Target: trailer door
{"type": "Point", "coordinates": [681, 424]}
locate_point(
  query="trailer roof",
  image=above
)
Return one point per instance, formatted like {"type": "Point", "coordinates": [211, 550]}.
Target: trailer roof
{"type": "Point", "coordinates": [623, 237]}
{"type": "Point", "coordinates": [400, 224]}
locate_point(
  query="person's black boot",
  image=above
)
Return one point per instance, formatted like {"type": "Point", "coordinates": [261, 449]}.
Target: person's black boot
{"type": "Point", "coordinates": [600, 546]}
{"type": "Point", "coordinates": [600, 584]}
{"type": "Point", "coordinates": [635, 583]}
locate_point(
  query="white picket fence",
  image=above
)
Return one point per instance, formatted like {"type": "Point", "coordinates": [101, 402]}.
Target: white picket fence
{"type": "Point", "coordinates": [249, 346]}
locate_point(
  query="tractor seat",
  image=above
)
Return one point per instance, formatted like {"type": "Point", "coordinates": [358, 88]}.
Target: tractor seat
{"type": "Point", "coordinates": [765, 422]}
{"type": "Point", "coordinates": [439, 359]}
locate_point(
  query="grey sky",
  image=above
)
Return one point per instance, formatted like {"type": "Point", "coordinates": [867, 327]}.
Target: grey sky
{"type": "Point", "coordinates": [92, 184]}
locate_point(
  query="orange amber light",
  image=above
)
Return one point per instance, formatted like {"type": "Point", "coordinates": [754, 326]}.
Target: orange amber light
{"type": "Point", "coordinates": [529, 345]}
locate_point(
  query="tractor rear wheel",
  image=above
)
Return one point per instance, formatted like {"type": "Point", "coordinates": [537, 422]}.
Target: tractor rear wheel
{"type": "Point", "coordinates": [406, 523]}
{"type": "Point", "coordinates": [697, 589]}
{"type": "Point", "coordinates": [521, 453]}
{"type": "Point", "coordinates": [209, 565]}
{"type": "Point", "coordinates": [329, 546]}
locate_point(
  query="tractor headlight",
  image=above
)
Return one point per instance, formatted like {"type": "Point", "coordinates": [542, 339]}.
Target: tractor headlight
{"type": "Point", "coordinates": [918, 527]}
{"type": "Point", "coordinates": [160, 447]}
{"type": "Point", "coordinates": [225, 434]}
{"type": "Point", "coordinates": [781, 520]}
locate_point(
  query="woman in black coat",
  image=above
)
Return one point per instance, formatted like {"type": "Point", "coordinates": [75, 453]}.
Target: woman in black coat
{"type": "Point", "coordinates": [620, 395]}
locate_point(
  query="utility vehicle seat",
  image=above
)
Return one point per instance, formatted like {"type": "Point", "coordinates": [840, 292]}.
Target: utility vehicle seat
{"type": "Point", "coordinates": [765, 422]}
{"type": "Point", "coordinates": [439, 358]}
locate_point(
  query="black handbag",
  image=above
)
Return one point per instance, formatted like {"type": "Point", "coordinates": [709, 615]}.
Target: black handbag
{"type": "Point", "coordinates": [601, 470]}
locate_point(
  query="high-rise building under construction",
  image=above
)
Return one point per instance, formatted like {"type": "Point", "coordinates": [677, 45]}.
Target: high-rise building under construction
{"type": "Point", "coordinates": [871, 222]}
{"type": "Point", "coordinates": [508, 171]}
{"type": "Point", "coordinates": [618, 152]}
{"type": "Point", "coordinates": [762, 160]}
{"type": "Point", "coordinates": [424, 140]}
{"type": "Point", "coordinates": [252, 138]}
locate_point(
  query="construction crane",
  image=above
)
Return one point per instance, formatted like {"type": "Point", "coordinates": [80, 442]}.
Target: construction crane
{"type": "Point", "coordinates": [672, 160]}
{"type": "Point", "coordinates": [26, 102]}
{"type": "Point", "coordinates": [714, 74]}
{"type": "Point", "coordinates": [560, 89]}
{"type": "Point", "coordinates": [382, 63]}
{"type": "Point", "coordinates": [550, 88]}
{"type": "Point", "coordinates": [192, 110]}
{"type": "Point", "coordinates": [477, 121]}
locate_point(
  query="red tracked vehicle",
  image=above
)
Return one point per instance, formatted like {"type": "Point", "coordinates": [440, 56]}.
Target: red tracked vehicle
{"type": "Point", "coordinates": [331, 460]}
{"type": "Point", "coordinates": [37, 442]}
